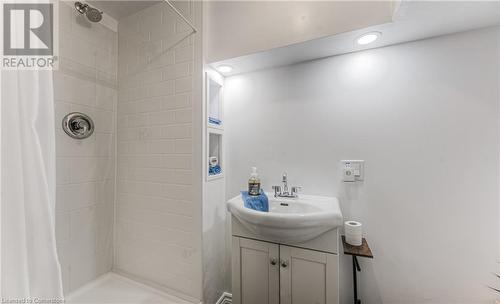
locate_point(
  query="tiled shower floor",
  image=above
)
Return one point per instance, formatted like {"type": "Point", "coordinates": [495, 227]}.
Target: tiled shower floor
{"type": "Point", "coordinates": [113, 288]}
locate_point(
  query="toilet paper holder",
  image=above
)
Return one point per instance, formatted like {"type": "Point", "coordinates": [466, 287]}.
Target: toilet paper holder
{"type": "Point", "coordinates": [356, 251]}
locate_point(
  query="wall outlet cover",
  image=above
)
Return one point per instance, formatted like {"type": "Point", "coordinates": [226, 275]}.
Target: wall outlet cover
{"type": "Point", "coordinates": [356, 166]}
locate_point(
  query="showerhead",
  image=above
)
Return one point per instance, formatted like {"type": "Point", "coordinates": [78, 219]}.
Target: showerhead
{"type": "Point", "coordinates": [92, 14]}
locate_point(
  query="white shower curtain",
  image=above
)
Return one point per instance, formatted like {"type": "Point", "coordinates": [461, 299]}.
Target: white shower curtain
{"type": "Point", "coordinates": [29, 263]}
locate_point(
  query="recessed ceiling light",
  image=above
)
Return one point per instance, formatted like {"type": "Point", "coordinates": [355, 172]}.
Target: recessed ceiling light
{"type": "Point", "coordinates": [368, 38]}
{"type": "Point", "coordinates": [224, 68]}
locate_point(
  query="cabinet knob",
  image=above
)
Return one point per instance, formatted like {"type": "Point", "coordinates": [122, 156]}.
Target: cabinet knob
{"type": "Point", "coordinates": [284, 263]}
{"type": "Point", "coordinates": [274, 261]}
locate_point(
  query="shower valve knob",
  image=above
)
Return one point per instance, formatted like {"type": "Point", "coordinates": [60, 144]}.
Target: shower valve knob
{"type": "Point", "coordinates": [78, 125]}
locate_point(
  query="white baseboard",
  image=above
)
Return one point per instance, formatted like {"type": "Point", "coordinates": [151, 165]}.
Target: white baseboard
{"type": "Point", "coordinates": [225, 298]}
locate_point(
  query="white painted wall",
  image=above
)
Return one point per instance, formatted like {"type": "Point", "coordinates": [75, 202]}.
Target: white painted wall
{"type": "Point", "coordinates": [85, 82]}
{"type": "Point", "coordinates": [236, 28]}
{"type": "Point", "coordinates": [424, 117]}
{"type": "Point", "coordinates": [215, 268]}
{"type": "Point", "coordinates": [158, 204]}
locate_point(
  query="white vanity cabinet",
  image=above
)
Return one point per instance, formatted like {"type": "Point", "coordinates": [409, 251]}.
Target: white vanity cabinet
{"type": "Point", "coordinates": [308, 276]}
{"type": "Point", "coordinates": [288, 255]}
{"type": "Point", "coordinates": [271, 273]}
{"type": "Point", "coordinates": [256, 272]}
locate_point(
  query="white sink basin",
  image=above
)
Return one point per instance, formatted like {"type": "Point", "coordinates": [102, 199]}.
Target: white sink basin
{"type": "Point", "coordinates": [291, 220]}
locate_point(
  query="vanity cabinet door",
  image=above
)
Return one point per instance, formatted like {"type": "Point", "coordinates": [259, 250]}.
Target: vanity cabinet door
{"type": "Point", "coordinates": [308, 276]}
{"type": "Point", "coordinates": [255, 272]}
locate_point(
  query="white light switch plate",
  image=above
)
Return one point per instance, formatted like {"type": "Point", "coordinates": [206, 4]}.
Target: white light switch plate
{"type": "Point", "coordinates": [358, 167]}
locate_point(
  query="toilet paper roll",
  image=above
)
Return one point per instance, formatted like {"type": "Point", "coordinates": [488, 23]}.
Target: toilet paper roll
{"type": "Point", "coordinates": [213, 161]}
{"type": "Point", "coordinates": [353, 233]}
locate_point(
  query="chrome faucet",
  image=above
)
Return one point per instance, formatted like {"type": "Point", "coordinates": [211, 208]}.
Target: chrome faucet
{"type": "Point", "coordinates": [283, 191]}
{"type": "Point", "coordinates": [284, 180]}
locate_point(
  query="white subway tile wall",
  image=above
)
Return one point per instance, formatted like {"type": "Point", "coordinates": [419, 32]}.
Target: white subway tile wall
{"type": "Point", "coordinates": [86, 82]}
{"type": "Point", "coordinates": [157, 237]}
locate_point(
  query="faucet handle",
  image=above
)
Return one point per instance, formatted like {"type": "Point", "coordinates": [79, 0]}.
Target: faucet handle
{"type": "Point", "coordinates": [296, 189]}
{"type": "Point", "coordinates": [277, 190]}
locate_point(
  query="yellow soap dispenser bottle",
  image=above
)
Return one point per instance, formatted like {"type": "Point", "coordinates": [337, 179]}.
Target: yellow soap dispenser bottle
{"type": "Point", "coordinates": [254, 183]}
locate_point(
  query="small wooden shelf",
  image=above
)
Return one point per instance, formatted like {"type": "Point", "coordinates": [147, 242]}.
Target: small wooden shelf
{"type": "Point", "coordinates": [361, 251]}
{"type": "Point", "coordinates": [356, 251]}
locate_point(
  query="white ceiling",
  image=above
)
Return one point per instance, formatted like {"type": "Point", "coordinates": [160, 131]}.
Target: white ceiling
{"type": "Point", "coordinates": [238, 28]}
{"type": "Point", "coordinates": [119, 9]}
{"type": "Point", "coordinates": [414, 20]}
